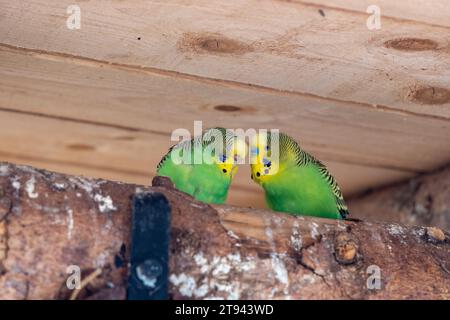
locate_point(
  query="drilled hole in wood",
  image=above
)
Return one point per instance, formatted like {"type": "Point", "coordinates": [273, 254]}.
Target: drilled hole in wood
{"type": "Point", "coordinates": [227, 108]}
{"type": "Point", "coordinates": [80, 147]}
{"type": "Point", "coordinates": [411, 44]}
{"type": "Point", "coordinates": [430, 95]}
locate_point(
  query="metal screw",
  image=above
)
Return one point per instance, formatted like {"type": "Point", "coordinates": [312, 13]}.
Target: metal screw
{"type": "Point", "coordinates": [148, 272]}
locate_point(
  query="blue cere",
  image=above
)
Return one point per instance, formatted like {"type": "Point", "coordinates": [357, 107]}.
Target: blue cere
{"type": "Point", "coordinates": [254, 151]}
{"type": "Point", "coordinates": [266, 162]}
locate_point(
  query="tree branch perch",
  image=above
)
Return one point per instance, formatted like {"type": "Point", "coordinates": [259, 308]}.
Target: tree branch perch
{"type": "Point", "coordinates": [49, 221]}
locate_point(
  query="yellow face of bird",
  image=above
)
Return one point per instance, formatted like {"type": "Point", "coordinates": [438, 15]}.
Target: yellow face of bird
{"type": "Point", "coordinates": [229, 164]}
{"type": "Point", "coordinates": [264, 159]}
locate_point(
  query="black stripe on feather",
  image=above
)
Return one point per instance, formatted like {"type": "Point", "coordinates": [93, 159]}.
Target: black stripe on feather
{"type": "Point", "coordinates": [292, 151]}
{"type": "Point", "coordinates": [206, 140]}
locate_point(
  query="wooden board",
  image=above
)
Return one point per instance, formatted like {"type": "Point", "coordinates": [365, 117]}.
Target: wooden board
{"type": "Point", "coordinates": [140, 100]}
{"type": "Point", "coordinates": [275, 45]}
{"type": "Point", "coordinates": [105, 152]}
{"type": "Point", "coordinates": [432, 12]}
{"type": "Point", "coordinates": [103, 100]}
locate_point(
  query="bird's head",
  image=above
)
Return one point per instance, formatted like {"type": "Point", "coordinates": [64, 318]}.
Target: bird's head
{"type": "Point", "coordinates": [224, 149]}
{"type": "Point", "coordinates": [235, 153]}
{"type": "Point", "coordinates": [265, 162]}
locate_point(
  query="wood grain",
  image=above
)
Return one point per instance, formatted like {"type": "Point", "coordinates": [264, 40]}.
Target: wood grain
{"type": "Point", "coordinates": [433, 12]}
{"type": "Point", "coordinates": [156, 103]}
{"type": "Point", "coordinates": [103, 100]}
{"type": "Point", "coordinates": [277, 45]}
{"type": "Point", "coordinates": [104, 152]}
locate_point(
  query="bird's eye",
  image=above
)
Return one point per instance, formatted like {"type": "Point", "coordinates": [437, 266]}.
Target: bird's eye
{"type": "Point", "coordinates": [224, 170]}
{"type": "Point", "coordinates": [258, 174]}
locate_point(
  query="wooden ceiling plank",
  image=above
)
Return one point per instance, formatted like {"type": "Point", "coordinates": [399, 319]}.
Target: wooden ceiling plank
{"type": "Point", "coordinates": [102, 152]}
{"type": "Point", "coordinates": [154, 103]}
{"type": "Point", "coordinates": [432, 12]}
{"type": "Point", "coordinates": [270, 44]}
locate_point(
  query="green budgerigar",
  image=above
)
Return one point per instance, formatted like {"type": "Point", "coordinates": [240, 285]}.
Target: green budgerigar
{"type": "Point", "coordinates": [293, 180]}
{"type": "Point", "coordinates": [204, 166]}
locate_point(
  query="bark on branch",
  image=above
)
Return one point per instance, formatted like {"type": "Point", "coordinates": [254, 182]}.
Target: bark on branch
{"type": "Point", "coordinates": [423, 200]}
{"type": "Point", "coordinates": [49, 221]}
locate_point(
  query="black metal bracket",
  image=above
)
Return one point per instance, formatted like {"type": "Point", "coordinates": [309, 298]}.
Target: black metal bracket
{"type": "Point", "coordinates": [149, 256]}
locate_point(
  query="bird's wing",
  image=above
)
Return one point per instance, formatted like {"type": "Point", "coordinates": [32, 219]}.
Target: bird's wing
{"type": "Point", "coordinates": [164, 158]}
{"type": "Point", "coordinates": [340, 202]}
{"type": "Point", "coordinates": [292, 151]}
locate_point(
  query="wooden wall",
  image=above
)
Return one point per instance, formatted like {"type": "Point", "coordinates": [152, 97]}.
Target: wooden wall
{"type": "Point", "coordinates": [103, 100]}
